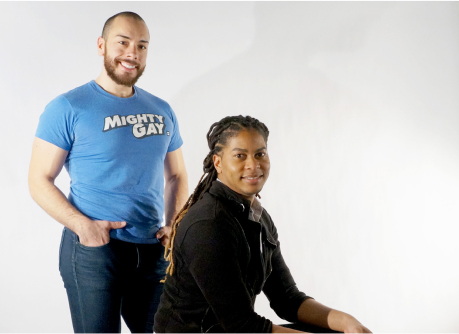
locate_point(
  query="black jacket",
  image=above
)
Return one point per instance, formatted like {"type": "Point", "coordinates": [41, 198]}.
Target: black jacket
{"type": "Point", "coordinates": [220, 267]}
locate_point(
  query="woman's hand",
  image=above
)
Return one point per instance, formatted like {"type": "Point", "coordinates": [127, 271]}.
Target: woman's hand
{"type": "Point", "coordinates": [164, 234]}
{"type": "Point", "coordinates": [352, 325]}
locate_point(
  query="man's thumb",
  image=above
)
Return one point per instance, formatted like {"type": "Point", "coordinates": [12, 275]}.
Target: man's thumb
{"type": "Point", "coordinates": [115, 225]}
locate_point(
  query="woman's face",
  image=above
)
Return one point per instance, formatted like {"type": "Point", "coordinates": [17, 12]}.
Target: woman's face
{"type": "Point", "coordinates": [243, 164]}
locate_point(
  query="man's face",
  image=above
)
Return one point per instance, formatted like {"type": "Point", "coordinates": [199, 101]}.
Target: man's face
{"type": "Point", "coordinates": [243, 164]}
{"type": "Point", "coordinates": [125, 50]}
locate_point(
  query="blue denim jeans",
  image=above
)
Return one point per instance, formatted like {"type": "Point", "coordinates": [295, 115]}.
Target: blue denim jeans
{"type": "Point", "coordinates": [119, 278]}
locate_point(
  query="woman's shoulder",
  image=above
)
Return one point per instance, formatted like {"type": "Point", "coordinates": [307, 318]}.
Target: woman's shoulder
{"type": "Point", "coordinates": [207, 217]}
{"type": "Point", "coordinates": [268, 223]}
{"type": "Point", "coordinates": [209, 207]}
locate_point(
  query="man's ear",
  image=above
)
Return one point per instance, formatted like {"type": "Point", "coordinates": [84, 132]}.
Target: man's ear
{"type": "Point", "coordinates": [101, 46]}
{"type": "Point", "coordinates": [217, 163]}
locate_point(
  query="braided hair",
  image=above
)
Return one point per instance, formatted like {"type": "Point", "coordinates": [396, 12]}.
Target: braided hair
{"type": "Point", "coordinates": [217, 137]}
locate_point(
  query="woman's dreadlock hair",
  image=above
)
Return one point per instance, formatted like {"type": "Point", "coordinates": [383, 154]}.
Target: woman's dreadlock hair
{"type": "Point", "coordinates": [218, 135]}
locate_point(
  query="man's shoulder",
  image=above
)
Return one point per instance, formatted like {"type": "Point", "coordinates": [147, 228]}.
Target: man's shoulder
{"type": "Point", "coordinates": [143, 94]}
{"type": "Point", "coordinates": [78, 92]}
{"type": "Point", "coordinates": [72, 96]}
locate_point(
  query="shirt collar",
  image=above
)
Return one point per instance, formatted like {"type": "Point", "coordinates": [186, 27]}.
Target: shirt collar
{"type": "Point", "coordinates": [239, 204]}
{"type": "Point", "coordinates": [255, 209]}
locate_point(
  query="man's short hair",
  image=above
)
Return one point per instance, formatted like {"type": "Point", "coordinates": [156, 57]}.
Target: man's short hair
{"type": "Point", "coordinates": [109, 22]}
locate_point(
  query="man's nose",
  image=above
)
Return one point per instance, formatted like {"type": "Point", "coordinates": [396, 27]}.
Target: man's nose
{"type": "Point", "coordinates": [132, 51]}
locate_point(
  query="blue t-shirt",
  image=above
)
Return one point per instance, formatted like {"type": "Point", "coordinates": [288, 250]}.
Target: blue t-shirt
{"type": "Point", "coordinates": [117, 148]}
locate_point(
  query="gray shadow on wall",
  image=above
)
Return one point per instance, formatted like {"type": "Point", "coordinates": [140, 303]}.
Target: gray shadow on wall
{"type": "Point", "coordinates": [336, 81]}
{"type": "Point", "coordinates": [275, 82]}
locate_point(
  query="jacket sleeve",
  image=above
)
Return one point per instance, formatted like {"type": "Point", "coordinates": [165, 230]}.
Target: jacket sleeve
{"type": "Point", "coordinates": [210, 250]}
{"type": "Point", "coordinates": [280, 287]}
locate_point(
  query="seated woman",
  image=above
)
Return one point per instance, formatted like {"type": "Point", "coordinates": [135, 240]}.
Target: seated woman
{"type": "Point", "coordinates": [224, 250]}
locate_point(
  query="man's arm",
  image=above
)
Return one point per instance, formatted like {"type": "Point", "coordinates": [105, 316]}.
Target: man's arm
{"type": "Point", "coordinates": [313, 312]}
{"type": "Point", "coordinates": [46, 164]}
{"type": "Point", "coordinates": [175, 190]}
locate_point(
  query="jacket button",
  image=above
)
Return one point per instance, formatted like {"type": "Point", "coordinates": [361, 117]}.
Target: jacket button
{"type": "Point", "coordinates": [241, 207]}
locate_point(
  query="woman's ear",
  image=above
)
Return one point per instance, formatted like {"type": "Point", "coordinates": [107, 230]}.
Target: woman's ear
{"type": "Point", "coordinates": [217, 163]}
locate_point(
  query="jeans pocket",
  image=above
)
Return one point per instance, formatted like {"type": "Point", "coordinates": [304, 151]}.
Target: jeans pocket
{"type": "Point", "coordinates": [94, 266]}
{"type": "Point", "coordinates": [91, 247]}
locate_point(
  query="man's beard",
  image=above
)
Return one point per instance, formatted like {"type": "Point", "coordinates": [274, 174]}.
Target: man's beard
{"type": "Point", "coordinates": [125, 80]}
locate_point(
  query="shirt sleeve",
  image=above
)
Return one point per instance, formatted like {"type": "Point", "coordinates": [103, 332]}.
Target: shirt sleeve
{"type": "Point", "coordinates": [56, 124]}
{"type": "Point", "coordinates": [280, 287]}
{"type": "Point", "coordinates": [176, 140]}
{"type": "Point", "coordinates": [210, 250]}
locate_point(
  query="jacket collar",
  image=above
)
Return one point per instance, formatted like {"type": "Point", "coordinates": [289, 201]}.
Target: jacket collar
{"type": "Point", "coordinates": [238, 204]}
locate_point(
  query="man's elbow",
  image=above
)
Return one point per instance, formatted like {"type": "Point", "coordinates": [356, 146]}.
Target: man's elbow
{"type": "Point", "coordinates": [178, 179]}
{"type": "Point", "coordinates": [37, 184]}
{"type": "Point", "coordinates": [34, 187]}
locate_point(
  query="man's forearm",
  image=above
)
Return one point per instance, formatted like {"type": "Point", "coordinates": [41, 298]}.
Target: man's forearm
{"type": "Point", "coordinates": [54, 202]}
{"type": "Point", "coordinates": [175, 196]}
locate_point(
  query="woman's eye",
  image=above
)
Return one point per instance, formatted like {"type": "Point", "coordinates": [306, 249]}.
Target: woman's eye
{"type": "Point", "coordinates": [122, 42]}
{"type": "Point", "coordinates": [239, 156]}
{"type": "Point", "coordinates": [261, 154]}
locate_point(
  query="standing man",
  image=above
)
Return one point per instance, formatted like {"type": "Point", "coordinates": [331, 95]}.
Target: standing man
{"type": "Point", "coordinates": [119, 145]}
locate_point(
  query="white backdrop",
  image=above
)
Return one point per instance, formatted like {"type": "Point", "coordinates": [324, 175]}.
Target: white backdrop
{"type": "Point", "coordinates": [363, 107]}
